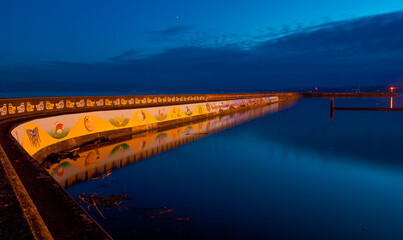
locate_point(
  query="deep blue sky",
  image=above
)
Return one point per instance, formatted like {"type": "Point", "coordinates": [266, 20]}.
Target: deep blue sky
{"type": "Point", "coordinates": [199, 45]}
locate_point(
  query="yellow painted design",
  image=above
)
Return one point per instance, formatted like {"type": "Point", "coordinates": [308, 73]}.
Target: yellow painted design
{"type": "Point", "coordinates": [90, 103]}
{"type": "Point", "coordinates": [11, 108]}
{"type": "Point", "coordinates": [123, 101]}
{"type": "Point", "coordinates": [69, 104]}
{"type": "Point", "coordinates": [49, 105]}
{"type": "Point", "coordinates": [108, 102]}
{"type": "Point", "coordinates": [93, 123]}
{"type": "Point", "coordinates": [30, 107]}
{"type": "Point", "coordinates": [137, 101]}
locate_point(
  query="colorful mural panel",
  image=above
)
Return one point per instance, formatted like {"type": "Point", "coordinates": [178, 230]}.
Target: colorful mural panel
{"type": "Point", "coordinates": [40, 133]}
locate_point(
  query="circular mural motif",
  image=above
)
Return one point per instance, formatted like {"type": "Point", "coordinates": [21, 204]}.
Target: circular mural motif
{"type": "Point", "coordinates": [59, 129]}
{"type": "Point", "coordinates": [89, 124]}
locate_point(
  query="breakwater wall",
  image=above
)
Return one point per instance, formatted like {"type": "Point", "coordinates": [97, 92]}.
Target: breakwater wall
{"type": "Point", "coordinates": [38, 134]}
{"type": "Point", "coordinates": [11, 108]}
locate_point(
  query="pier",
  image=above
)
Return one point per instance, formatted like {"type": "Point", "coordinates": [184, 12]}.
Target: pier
{"type": "Point", "coordinates": [389, 109]}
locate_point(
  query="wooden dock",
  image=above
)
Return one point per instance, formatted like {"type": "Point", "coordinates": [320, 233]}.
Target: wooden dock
{"type": "Point", "coordinates": [345, 95]}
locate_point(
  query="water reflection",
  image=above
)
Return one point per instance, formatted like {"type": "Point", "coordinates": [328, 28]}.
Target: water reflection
{"type": "Point", "coordinates": [289, 175]}
{"type": "Point", "coordinates": [100, 161]}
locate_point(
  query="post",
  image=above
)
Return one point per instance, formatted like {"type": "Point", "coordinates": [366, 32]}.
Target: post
{"type": "Point", "coordinates": [331, 109]}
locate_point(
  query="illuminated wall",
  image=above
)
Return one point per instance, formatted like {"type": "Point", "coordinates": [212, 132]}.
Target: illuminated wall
{"type": "Point", "coordinates": [41, 133]}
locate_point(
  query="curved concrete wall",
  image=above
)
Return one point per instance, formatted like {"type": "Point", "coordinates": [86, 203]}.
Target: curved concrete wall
{"type": "Point", "coordinates": [43, 132]}
{"type": "Point", "coordinates": [39, 106]}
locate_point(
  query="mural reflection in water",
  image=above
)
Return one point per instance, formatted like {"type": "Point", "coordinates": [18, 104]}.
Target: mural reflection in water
{"type": "Point", "coordinates": [98, 162]}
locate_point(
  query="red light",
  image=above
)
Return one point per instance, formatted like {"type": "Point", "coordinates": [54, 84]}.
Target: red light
{"type": "Point", "coordinates": [316, 89]}
{"type": "Point", "coordinates": [391, 89]}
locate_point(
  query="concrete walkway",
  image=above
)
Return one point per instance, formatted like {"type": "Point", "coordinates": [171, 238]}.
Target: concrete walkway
{"type": "Point", "coordinates": [33, 205]}
{"type": "Point", "coordinates": [13, 224]}
{"type": "Point", "coordinates": [26, 219]}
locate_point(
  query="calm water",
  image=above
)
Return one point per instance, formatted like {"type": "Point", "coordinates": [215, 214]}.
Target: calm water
{"type": "Point", "coordinates": [293, 174]}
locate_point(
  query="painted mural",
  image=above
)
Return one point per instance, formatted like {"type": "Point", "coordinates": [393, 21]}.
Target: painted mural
{"type": "Point", "coordinates": [91, 163]}
{"type": "Point", "coordinates": [40, 133]}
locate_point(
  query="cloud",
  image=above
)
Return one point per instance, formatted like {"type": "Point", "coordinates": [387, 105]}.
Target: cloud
{"type": "Point", "coordinates": [369, 35]}
{"type": "Point", "coordinates": [67, 64]}
{"type": "Point", "coordinates": [171, 31]}
{"type": "Point", "coordinates": [362, 52]}
{"type": "Point", "coordinates": [125, 55]}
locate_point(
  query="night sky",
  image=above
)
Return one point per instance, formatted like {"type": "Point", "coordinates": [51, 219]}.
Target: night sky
{"type": "Point", "coordinates": [96, 46]}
